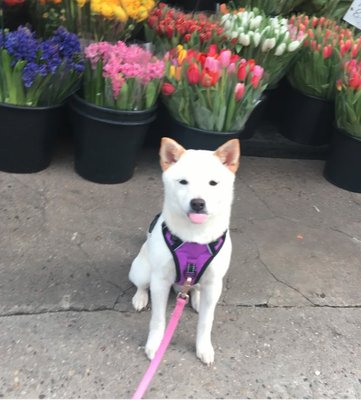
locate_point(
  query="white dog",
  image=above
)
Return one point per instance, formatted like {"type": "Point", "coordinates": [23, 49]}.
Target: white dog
{"type": "Point", "coordinates": [198, 193]}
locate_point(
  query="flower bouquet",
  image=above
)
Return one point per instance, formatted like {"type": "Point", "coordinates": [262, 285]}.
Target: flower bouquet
{"type": "Point", "coordinates": [342, 166]}
{"type": "Point", "coordinates": [270, 41]}
{"type": "Point", "coordinates": [269, 7]}
{"type": "Point", "coordinates": [122, 77]}
{"type": "Point", "coordinates": [111, 20]}
{"type": "Point", "coordinates": [93, 19]}
{"type": "Point", "coordinates": [318, 64]}
{"type": "Point", "coordinates": [37, 72]}
{"type": "Point", "coordinates": [168, 27]}
{"type": "Point", "coordinates": [348, 99]}
{"type": "Point", "coordinates": [334, 9]}
{"type": "Point", "coordinates": [214, 91]}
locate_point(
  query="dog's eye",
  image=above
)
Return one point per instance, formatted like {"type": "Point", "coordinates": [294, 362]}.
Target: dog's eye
{"type": "Point", "coordinates": [213, 183]}
{"type": "Point", "coordinates": [183, 182]}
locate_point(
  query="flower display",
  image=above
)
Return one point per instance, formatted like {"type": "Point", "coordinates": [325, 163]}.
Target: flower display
{"type": "Point", "coordinates": [111, 20]}
{"type": "Point", "coordinates": [121, 76]}
{"type": "Point", "coordinates": [271, 41]}
{"type": "Point", "coordinates": [38, 72]}
{"type": "Point", "coordinates": [318, 65]}
{"type": "Point", "coordinates": [215, 91]}
{"type": "Point", "coordinates": [334, 9]}
{"type": "Point", "coordinates": [94, 19]}
{"type": "Point", "coordinates": [348, 99]}
{"type": "Point", "coordinates": [48, 15]}
{"type": "Point", "coordinates": [168, 27]}
{"type": "Point", "coordinates": [269, 7]}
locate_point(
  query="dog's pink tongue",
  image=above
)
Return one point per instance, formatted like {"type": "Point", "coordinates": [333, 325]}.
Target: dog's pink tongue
{"type": "Point", "coordinates": [198, 218]}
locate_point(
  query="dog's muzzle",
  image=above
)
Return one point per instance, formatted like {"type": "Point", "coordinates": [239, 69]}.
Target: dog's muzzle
{"type": "Point", "coordinates": [198, 213]}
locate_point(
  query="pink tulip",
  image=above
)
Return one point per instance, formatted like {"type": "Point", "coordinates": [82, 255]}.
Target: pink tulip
{"type": "Point", "coordinates": [239, 91]}
{"type": "Point", "coordinates": [225, 58]}
{"type": "Point", "coordinates": [231, 68]}
{"type": "Point", "coordinates": [257, 76]}
{"type": "Point", "coordinates": [212, 64]}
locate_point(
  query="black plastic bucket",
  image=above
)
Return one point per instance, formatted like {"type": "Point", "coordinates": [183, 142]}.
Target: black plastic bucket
{"type": "Point", "coordinates": [199, 139]}
{"type": "Point", "coordinates": [27, 136]}
{"type": "Point", "coordinates": [306, 119]}
{"type": "Point", "coordinates": [107, 141]}
{"type": "Point", "coordinates": [342, 166]}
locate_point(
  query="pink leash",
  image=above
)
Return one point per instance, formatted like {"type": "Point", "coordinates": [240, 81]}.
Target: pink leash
{"type": "Point", "coordinates": [182, 300]}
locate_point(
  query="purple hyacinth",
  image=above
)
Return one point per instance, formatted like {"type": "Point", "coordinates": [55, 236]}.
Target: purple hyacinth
{"type": "Point", "coordinates": [54, 64]}
{"type": "Point", "coordinates": [69, 48]}
{"type": "Point", "coordinates": [21, 45]}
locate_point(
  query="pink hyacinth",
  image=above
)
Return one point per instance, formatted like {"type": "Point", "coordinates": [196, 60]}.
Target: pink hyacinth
{"type": "Point", "coordinates": [122, 62]}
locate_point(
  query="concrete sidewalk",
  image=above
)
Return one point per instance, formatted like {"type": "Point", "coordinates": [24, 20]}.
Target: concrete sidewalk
{"type": "Point", "coordinates": [288, 324]}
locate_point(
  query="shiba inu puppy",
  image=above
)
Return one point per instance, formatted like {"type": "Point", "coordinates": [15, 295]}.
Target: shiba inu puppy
{"type": "Point", "coordinates": [190, 238]}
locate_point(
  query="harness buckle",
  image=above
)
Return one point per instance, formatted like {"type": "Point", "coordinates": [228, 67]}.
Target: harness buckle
{"type": "Point", "coordinates": [185, 289]}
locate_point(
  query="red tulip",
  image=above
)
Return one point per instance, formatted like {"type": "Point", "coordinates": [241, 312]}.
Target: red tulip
{"type": "Point", "coordinates": [168, 89]}
{"type": "Point", "coordinates": [209, 78]}
{"type": "Point", "coordinates": [242, 70]}
{"type": "Point", "coordinates": [355, 50]}
{"type": "Point", "coordinates": [251, 64]}
{"type": "Point", "coordinates": [212, 51]}
{"type": "Point", "coordinates": [355, 81]}
{"type": "Point", "coordinates": [193, 74]}
{"type": "Point", "coordinates": [327, 51]}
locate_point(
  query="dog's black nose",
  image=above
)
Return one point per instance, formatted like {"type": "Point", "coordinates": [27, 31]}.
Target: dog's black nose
{"type": "Point", "coordinates": [198, 205]}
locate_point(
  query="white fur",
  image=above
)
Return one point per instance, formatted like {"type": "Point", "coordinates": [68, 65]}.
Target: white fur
{"type": "Point", "coordinates": [154, 267]}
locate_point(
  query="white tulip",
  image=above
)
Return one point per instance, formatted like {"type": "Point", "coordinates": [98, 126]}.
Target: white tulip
{"type": "Point", "coordinates": [280, 49]}
{"type": "Point", "coordinates": [256, 22]}
{"type": "Point", "coordinates": [227, 25]}
{"type": "Point", "coordinates": [244, 39]}
{"type": "Point", "coordinates": [256, 38]}
{"type": "Point", "coordinates": [268, 44]}
{"type": "Point", "coordinates": [294, 45]}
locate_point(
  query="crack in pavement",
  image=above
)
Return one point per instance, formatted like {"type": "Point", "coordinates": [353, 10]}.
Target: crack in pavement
{"type": "Point", "coordinates": [267, 268]}
{"type": "Point", "coordinates": [104, 308]}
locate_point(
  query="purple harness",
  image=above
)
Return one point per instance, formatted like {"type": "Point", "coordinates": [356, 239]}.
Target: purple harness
{"type": "Point", "coordinates": [191, 259]}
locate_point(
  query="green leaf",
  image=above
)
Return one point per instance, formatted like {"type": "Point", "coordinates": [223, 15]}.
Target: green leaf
{"type": "Point", "coordinates": [150, 94]}
{"type": "Point", "coordinates": [204, 118]}
{"type": "Point", "coordinates": [122, 99]}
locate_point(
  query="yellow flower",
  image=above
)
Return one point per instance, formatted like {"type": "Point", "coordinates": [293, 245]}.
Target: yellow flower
{"type": "Point", "coordinates": [120, 14]}
{"type": "Point", "coordinates": [172, 71]}
{"type": "Point", "coordinates": [81, 3]}
{"type": "Point", "coordinates": [95, 6]}
{"type": "Point", "coordinates": [181, 56]}
{"type": "Point", "coordinates": [106, 10]}
{"type": "Point", "coordinates": [142, 14]}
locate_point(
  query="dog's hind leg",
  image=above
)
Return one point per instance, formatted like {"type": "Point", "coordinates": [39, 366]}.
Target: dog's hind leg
{"type": "Point", "coordinates": [139, 274]}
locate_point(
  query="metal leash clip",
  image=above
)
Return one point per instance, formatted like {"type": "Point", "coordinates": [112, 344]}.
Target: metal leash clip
{"type": "Point", "coordinates": [185, 289]}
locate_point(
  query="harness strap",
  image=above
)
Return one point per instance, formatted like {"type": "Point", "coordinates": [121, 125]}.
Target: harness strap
{"type": "Point", "coordinates": [191, 259]}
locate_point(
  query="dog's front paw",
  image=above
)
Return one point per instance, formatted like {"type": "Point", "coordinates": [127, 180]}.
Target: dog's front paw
{"type": "Point", "coordinates": [140, 299]}
{"type": "Point", "coordinates": [206, 353]}
{"type": "Point", "coordinates": [150, 352]}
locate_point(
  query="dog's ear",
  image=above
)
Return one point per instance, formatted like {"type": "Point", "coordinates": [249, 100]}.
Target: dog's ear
{"type": "Point", "coordinates": [229, 154]}
{"type": "Point", "coordinates": [170, 152]}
